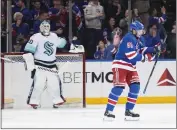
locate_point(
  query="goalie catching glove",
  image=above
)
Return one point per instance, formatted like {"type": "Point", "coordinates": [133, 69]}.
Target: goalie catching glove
{"type": "Point", "coordinates": [29, 61]}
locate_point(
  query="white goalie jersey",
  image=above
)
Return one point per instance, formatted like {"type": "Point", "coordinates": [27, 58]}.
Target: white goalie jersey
{"type": "Point", "coordinates": [44, 47]}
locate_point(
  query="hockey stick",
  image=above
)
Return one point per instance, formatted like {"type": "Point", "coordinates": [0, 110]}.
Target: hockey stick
{"type": "Point", "coordinates": [153, 68]}
{"type": "Point", "coordinates": [150, 75]}
{"type": "Point", "coordinates": [40, 67]}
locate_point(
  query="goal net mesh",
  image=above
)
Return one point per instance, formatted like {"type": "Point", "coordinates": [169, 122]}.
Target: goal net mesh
{"type": "Point", "coordinates": [16, 81]}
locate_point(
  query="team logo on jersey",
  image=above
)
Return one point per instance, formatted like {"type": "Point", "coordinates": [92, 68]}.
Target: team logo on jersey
{"type": "Point", "coordinates": [129, 45]}
{"type": "Point", "coordinates": [166, 79]}
{"type": "Point", "coordinates": [49, 48]}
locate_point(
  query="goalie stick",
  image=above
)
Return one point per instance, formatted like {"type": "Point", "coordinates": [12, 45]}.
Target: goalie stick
{"type": "Point", "coordinates": [40, 67]}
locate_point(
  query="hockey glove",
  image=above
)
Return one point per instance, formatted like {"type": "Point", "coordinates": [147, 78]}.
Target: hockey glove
{"type": "Point", "coordinates": [157, 50]}
{"type": "Point", "coordinates": [150, 57]}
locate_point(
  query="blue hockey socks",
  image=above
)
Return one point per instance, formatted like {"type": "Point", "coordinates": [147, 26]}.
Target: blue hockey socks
{"type": "Point", "coordinates": [113, 98]}
{"type": "Point", "coordinates": [132, 96]}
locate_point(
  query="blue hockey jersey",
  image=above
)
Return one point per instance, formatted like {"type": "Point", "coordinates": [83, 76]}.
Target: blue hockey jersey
{"type": "Point", "coordinates": [130, 51]}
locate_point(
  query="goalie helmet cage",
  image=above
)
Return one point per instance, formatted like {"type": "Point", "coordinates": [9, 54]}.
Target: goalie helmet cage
{"type": "Point", "coordinates": [76, 65]}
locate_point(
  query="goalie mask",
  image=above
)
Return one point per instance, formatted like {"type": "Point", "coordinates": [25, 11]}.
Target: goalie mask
{"type": "Point", "coordinates": [45, 28]}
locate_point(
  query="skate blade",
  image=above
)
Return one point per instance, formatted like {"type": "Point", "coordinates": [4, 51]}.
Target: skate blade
{"type": "Point", "coordinates": [129, 118]}
{"type": "Point", "coordinates": [109, 119]}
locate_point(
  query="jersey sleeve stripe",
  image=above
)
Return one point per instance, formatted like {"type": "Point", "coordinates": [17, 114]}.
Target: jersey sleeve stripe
{"type": "Point", "coordinates": [130, 53]}
{"type": "Point", "coordinates": [30, 48]}
{"type": "Point", "coordinates": [131, 56]}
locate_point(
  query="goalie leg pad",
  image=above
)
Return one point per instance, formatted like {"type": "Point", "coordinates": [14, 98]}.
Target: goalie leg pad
{"type": "Point", "coordinates": [132, 96]}
{"type": "Point", "coordinates": [39, 82]}
{"type": "Point", "coordinates": [55, 88]}
{"type": "Point", "coordinates": [29, 61]}
{"type": "Point", "coordinates": [113, 98]}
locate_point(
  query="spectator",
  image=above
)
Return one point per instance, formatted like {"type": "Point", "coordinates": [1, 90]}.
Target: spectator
{"type": "Point", "coordinates": [82, 5]}
{"type": "Point", "coordinates": [27, 17]}
{"type": "Point", "coordinates": [3, 33]}
{"type": "Point", "coordinates": [19, 26]}
{"type": "Point", "coordinates": [58, 14]}
{"type": "Point", "coordinates": [20, 30]}
{"type": "Point", "coordinates": [152, 38]}
{"type": "Point", "coordinates": [135, 16]}
{"type": "Point", "coordinates": [43, 15]}
{"type": "Point", "coordinates": [20, 42]}
{"type": "Point", "coordinates": [35, 11]}
{"type": "Point", "coordinates": [113, 9]}
{"type": "Point", "coordinates": [99, 54]}
{"type": "Point", "coordinates": [111, 24]}
{"type": "Point", "coordinates": [153, 15]}
{"type": "Point", "coordinates": [94, 15]}
{"type": "Point", "coordinates": [174, 28]}
{"type": "Point", "coordinates": [123, 24]}
{"type": "Point", "coordinates": [111, 49]}
{"type": "Point", "coordinates": [107, 33]}
{"type": "Point", "coordinates": [76, 20]}
{"type": "Point", "coordinates": [160, 20]}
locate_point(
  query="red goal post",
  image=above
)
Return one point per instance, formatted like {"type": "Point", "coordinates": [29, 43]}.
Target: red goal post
{"type": "Point", "coordinates": [16, 81]}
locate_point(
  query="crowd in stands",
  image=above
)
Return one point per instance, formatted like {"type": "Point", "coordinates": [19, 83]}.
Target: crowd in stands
{"type": "Point", "coordinates": [94, 22]}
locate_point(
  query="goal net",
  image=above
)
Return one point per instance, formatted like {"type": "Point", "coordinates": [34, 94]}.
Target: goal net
{"type": "Point", "coordinates": [16, 81]}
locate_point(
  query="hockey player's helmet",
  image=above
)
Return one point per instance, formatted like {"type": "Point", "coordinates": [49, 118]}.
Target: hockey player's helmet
{"type": "Point", "coordinates": [45, 28]}
{"type": "Point", "coordinates": [137, 28]}
{"type": "Point", "coordinates": [136, 25]}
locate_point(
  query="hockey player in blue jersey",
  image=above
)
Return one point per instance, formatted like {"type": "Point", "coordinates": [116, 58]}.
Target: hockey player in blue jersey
{"type": "Point", "coordinates": [131, 50]}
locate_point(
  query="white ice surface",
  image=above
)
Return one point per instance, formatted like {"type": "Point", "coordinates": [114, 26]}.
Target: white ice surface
{"type": "Point", "coordinates": [152, 116]}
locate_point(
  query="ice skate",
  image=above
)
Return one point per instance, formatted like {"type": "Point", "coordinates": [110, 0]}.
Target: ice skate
{"type": "Point", "coordinates": [130, 116]}
{"type": "Point", "coordinates": [58, 105]}
{"type": "Point", "coordinates": [34, 106]}
{"type": "Point", "coordinates": [108, 116]}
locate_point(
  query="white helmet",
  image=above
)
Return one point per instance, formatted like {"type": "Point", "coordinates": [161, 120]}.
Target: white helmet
{"type": "Point", "coordinates": [45, 28]}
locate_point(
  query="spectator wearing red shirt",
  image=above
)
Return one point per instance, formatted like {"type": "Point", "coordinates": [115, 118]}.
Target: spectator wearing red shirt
{"type": "Point", "coordinates": [58, 16]}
